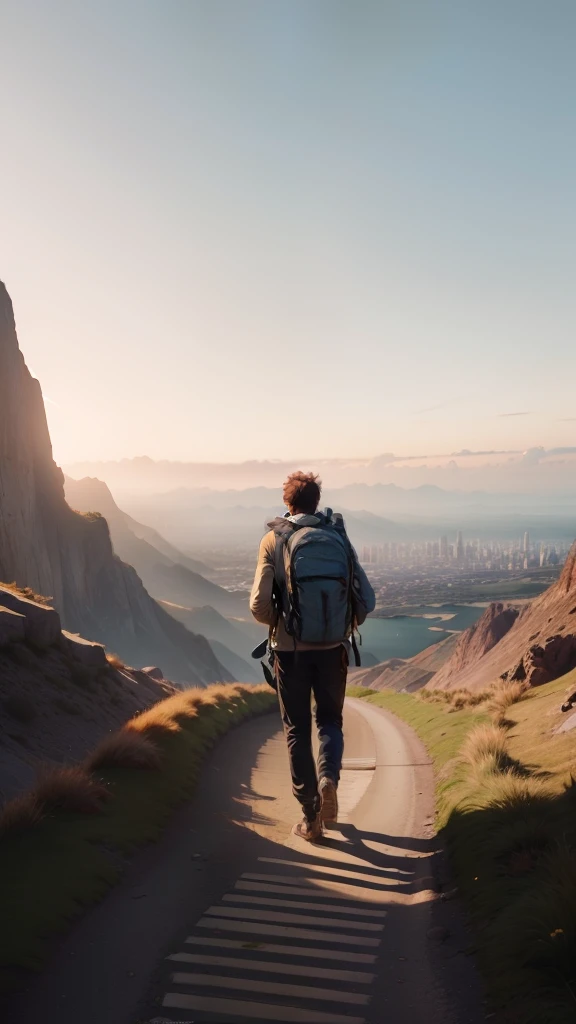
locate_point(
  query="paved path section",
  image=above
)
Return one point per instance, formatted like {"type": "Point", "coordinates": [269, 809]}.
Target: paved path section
{"type": "Point", "coordinates": [334, 933]}
{"type": "Point", "coordinates": [230, 918]}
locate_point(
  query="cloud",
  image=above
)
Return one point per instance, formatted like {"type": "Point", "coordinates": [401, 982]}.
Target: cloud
{"type": "Point", "coordinates": [568, 419]}
{"type": "Point", "coordinates": [501, 414]}
{"type": "Point", "coordinates": [494, 451]}
{"type": "Point", "coordinates": [435, 408]}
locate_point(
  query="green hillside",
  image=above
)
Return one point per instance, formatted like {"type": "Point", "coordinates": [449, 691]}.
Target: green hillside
{"type": "Point", "coordinates": [507, 811]}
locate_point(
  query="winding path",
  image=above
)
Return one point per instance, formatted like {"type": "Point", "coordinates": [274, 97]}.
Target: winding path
{"type": "Point", "coordinates": [231, 918]}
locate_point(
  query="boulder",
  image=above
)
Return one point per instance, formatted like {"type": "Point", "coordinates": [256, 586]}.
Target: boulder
{"type": "Point", "coordinates": [154, 673]}
{"type": "Point", "coordinates": [86, 652]}
{"type": "Point", "coordinates": [548, 661]}
{"type": "Point", "coordinates": [42, 624]}
{"type": "Point", "coordinates": [12, 626]}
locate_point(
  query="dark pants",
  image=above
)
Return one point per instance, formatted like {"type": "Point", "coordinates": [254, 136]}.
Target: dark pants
{"type": "Point", "coordinates": [300, 674]}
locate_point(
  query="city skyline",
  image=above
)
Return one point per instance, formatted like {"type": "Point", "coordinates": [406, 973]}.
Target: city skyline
{"type": "Point", "coordinates": [504, 555]}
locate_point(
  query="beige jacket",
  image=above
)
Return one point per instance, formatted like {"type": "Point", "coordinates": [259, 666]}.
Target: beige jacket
{"type": "Point", "coordinates": [261, 600]}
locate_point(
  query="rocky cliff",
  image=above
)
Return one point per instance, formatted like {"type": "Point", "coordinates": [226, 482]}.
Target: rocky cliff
{"type": "Point", "coordinates": [537, 644]}
{"type": "Point", "coordinates": [166, 577]}
{"type": "Point", "coordinates": [57, 552]}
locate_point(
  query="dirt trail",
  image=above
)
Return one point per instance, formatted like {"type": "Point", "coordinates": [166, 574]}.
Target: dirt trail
{"type": "Point", "coordinates": [230, 918]}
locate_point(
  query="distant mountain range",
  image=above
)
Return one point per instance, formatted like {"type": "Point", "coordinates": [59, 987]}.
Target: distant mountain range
{"type": "Point", "coordinates": [193, 519]}
{"type": "Point", "coordinates": [232, 640]}
{"type": "Point", "coordinates": [193, 526]}
{"type": "Point", "coordinates": [538, 470]}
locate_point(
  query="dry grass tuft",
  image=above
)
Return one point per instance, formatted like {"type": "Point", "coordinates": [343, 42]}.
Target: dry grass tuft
{"type": "Point", "coordinates": [503, 696]}
{"type": "Point", "coordinates": [28, 593]}
{"type": "Point", "coordinates": [63, 789]}
{"type": "Point", "coordinates": [486, 745]}
{"type": "Point", "coordinates": [497, 699]}
{"type": "Point", "coordinates": [70, 789]}
{"type": "Point", "coordinates": [115, 661]}
{"type": "Point", "coordinates": [165, 716]}
{"type": "Point", "coordinates": [466, 699]}
{"type": "Point", "coordinates": [456, 700]}
{"type": "Point", "coordinates": [20, 814]}
{"type": "Point", "coordinates": [510, 791]}
{"type": "Point", "coordinates": [124, 749]}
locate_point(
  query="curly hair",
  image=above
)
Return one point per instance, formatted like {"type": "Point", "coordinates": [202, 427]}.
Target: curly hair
{"type": "Point", "coordinates": [301, 492]}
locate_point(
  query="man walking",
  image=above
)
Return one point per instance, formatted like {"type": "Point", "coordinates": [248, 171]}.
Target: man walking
{"type": "Point", "coordinates": [311, 591]}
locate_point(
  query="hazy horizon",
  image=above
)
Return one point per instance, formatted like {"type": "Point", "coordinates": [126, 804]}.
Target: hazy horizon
{"type": "Point", "coordinates": [232, 229]}
{"type": "Point", "coordinates": [540, 473]}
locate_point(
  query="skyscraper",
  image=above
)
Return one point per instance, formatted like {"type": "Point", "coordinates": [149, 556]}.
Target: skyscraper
{"type": "Point", "coordinates": [526, 543]}
{"type": "Point", "coordinates": [444, 549]}
{"type": "Point", "coordinates": [459, 547]}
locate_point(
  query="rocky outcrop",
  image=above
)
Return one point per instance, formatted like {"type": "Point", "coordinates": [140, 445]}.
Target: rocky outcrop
{"type": "Point", "coordinates": [537, 646]}
{"type": "Point", "coordinates": [58, 694]}
{"type": "Point", "coordinates": [39, 627]}
{"type": "Point", "coordinates": [476, 641]}
{"type": "Point", "coordinates": [67, 556]}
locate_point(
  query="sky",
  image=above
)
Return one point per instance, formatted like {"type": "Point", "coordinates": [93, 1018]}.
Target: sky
{"type": "Point", "coordinates": [238, 229]}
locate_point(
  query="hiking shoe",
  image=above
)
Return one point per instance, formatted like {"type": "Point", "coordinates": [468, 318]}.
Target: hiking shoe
{"type": "Point", "coordinates": [328, 801]}
{"type": "Point", "coordinates": [310, 830]}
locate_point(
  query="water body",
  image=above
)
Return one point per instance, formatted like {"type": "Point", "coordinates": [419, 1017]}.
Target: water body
{"type": "Point", "coordinates": [406, 635]}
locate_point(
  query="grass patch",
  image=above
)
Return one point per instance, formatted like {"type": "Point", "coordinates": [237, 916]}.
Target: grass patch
{"type": "Point", "coordinates": [507, 812]}
{"type": "Point", "coordinates": [28, 593]}
{"type": "Point", "coordinates": [63, 861]}
{"type": "Point", "coordinates": [359, 691]}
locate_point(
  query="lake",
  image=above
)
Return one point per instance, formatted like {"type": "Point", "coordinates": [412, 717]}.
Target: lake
{"type": "Point", "coordinates": [406, 635]}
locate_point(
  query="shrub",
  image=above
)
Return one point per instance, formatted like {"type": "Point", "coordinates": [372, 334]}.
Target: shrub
{"type": "Point", "coordinates": [20, 814]}
{"type": "Point", "coordinates": [21, 708]}
{"type": "Point", "coordinates": [124, 749]}
{"type": "Point", "coordinates": [70, 789]}
{"type": "Point", "coordinates": [115, 661]}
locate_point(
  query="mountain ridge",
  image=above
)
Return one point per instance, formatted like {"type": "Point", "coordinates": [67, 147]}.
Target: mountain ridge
{"type": "Point", "coordinates": [534, 645]}
{"type": "Point", "coordinates": [164, 578]}
{"type": "Point", "coordinates": [58, 552]}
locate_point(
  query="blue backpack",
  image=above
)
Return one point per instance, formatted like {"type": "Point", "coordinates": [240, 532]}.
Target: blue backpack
{"type": "Point", "coordinates": [314, 576]}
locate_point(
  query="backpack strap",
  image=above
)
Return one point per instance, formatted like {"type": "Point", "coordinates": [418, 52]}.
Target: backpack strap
{"type": "Point", "coordinates": [336, 520]}
{"type": "Point", "coordinates": [282, 587]}
{"type": "Point", "coordinates": [357, 658]}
